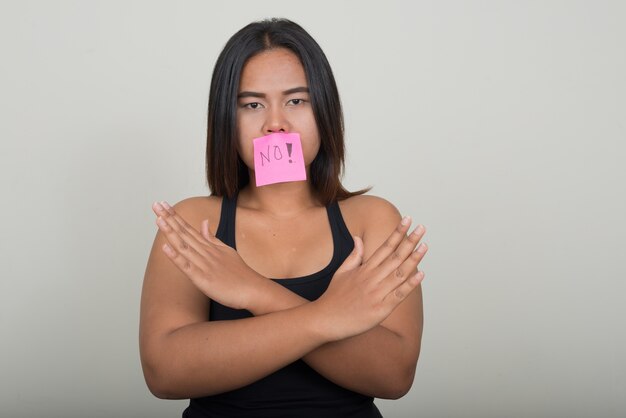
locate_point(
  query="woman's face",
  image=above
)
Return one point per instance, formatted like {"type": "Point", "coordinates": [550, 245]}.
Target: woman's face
{"type": "Point", "coordinates": [274, 97]}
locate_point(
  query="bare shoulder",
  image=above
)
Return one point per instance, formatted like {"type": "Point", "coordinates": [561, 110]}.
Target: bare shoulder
{"type": "Point", "coordinates": [370, 217]}
{"type": "Point", "coordinates": [367, 210]}
{"type": "Point", "coordinates": [198, 208]}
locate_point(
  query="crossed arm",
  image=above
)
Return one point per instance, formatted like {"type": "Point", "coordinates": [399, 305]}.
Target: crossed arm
{"type": "Point", "coordinates": [364, 333]}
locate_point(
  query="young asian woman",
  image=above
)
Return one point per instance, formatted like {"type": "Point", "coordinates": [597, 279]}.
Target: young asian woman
{"type": "Point", "coordinates": [296, 298]}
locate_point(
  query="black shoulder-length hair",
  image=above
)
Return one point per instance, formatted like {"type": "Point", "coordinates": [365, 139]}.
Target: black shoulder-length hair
{"type": "Point", "coordinates": [226, 172]}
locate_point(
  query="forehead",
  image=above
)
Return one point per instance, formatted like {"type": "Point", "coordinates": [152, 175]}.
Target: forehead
{"type": "Point", "coordinates": [272, 69]}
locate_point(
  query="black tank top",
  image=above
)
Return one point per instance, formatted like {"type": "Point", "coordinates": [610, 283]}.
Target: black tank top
{"type": "Point", "coordinates": [296, 390]}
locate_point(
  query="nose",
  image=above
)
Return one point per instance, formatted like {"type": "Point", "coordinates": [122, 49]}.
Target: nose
{"type": "Point", "coordinates": [276, 121]}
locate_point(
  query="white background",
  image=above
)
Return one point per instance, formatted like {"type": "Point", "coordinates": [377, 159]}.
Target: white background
{"type": "Point", "coordinates": [500, 125]}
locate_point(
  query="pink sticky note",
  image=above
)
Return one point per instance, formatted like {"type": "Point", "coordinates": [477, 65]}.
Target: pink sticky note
{"type": "Point", "coordinates": [278, 159]}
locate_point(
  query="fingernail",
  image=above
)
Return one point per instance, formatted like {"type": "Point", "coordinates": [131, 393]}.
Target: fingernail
{"type": "Point", "coordinates": [167, 206]}
{"type": "Point", "coordinates": [161, 222]}
{"type": "Point", "coordinates": [406, 220]}
{"type": "Point", "coordinates": [422, 248]}
{"type": "Point", "coordinates": [418, 230]}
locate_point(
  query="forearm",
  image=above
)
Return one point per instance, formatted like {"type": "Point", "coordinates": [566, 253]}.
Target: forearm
{"type": "Point", "coordinates": [217, 356]}
{"type": "Point", "coordinates": [375, 363]}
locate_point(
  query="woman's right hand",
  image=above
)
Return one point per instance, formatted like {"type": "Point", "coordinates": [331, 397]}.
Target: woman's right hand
{"type": "Point", "coordinates": [213, 267]}
{"type": "Point", "coordinates": [362, 294]}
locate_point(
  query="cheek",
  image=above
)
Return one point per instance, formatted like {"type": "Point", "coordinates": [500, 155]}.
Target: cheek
{"type": "Point", "coordinates": [310, 149]}
{"type": "Point", "coordinates": [310, 140]}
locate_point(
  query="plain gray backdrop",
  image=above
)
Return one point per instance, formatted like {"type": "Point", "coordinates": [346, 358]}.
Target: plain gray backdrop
{"type": "Point", "coordinates": [500, 125]}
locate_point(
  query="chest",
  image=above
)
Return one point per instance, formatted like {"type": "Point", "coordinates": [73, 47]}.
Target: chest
{"type": "Point", "coordinates": [284, 248]}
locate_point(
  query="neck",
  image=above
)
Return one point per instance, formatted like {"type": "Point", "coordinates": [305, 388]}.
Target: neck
{"type": "Point", "coordinates": [280, 199]}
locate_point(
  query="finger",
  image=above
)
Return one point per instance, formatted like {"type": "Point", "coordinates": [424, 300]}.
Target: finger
{"type": "Point", "coordinates": [158, 209]}
{"type": "Point", "coordinates": [355, 258]}
{"type": "Point", "coordinates": [403, 251]}
{"type": "Point", "coordinates": [169, 211]}
{"type": "Point", "coordinates": [204, 237]}
{"type": "Point", "coordinates": [165, 211]}
{"type": "Point", "coordinates": [184, 264]}
{"type": "Point", "coordinates": [404, 270]}
{"type": "Point", "coordinates": [205, 229]}
{"type": "Point", "coordinates": [390, 244]}
{"type": "Point", "coordinates": [183, 240]}
{"type": "Point", "coordinates": [167, 207]}
{"type": "Point", "coordinates": [201, 259]}
{"type": "Point", "coordinates": [400, 293]}
{"type": "Point", "coordinates": [178, 224]}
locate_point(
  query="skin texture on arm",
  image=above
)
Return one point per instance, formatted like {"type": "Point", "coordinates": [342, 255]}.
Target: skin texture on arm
{"type": "Point", "coordinates": [183, 355]}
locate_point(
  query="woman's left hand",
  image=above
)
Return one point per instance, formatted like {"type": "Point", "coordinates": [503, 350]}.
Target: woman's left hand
{"type": "Point", "coordinates": [213, 267]}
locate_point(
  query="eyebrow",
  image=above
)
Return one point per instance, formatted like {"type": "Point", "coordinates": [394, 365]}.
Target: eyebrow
{"type": "Point", "coordinates": [263, 95]}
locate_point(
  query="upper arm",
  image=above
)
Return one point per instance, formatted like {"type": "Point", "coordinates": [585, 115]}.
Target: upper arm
{"type": "Point", "coordinates": [376, 220]}
{"type": "Point", "coordinates": [169, 300]}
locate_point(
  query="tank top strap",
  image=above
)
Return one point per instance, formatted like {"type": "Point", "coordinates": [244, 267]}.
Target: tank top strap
{"type": "Point", "coordinates": [226, 228]}
{"type": "Point", "coordinates": [342, 239]}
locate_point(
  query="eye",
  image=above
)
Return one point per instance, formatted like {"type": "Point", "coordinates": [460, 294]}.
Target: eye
{"type": "Point", "coordinates": [253, 105]}
{"type": "Point", "coordinates": [296, 102]}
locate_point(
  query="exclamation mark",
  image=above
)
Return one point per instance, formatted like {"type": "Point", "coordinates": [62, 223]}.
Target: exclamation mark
{"type": "Point", "coordinates": [289, 150]}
